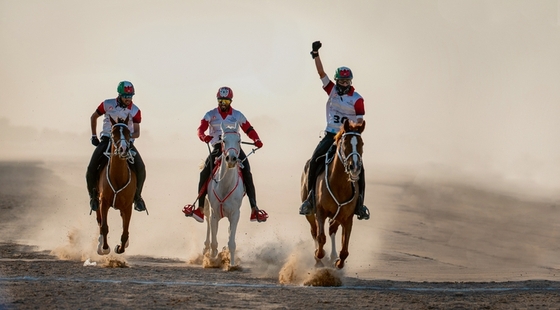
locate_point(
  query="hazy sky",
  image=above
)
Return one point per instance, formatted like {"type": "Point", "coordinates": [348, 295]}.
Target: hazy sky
{"type": "Point", "coordinates": [470, 84]}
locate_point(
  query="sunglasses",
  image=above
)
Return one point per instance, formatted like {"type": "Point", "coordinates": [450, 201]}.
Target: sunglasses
{"type": "Point", "coordinates": [344, 81]}
{"type": "Point", "coordinates": [224, 101]}
{"type": "Point", "coordinates": [126, 96]}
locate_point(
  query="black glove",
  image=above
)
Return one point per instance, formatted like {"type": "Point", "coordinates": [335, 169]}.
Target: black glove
{"type": "Point", "coordinates": [94, 140]}
{"type": "Point", "coordinates": [315, 49]}
{"type": "Point", "coordinates": [316, 46]}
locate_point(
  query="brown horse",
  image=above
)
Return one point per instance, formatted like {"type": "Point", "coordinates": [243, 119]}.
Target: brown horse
{"type": "Point", "coordinates": [336, 192]}
{"type": "Point", "coordinates": [117, 184]}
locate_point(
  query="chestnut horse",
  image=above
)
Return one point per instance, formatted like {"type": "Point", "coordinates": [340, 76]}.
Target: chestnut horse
{"type": "Point", "coordinates": [225, 192]}
{"type": "Point", "coordinates": [336, 192]}
{"type": "Point", "coordinates": [117, 185]}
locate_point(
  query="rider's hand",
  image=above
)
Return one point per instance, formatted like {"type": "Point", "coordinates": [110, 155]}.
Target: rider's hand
{"type": "Point", "coordinates": [94, 140]}
{"type": "Point", "coordinates": [316, 46]}
{"type": "Point", "coordinates": [315, 49]}
{"type": "Point", "coordinates": [207, 139]}
{"type": "Point", "coordinates": [258, 143]}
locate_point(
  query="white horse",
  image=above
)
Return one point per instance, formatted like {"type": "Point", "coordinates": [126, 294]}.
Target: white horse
{"type": "Point", "coordinates": [225, 192]}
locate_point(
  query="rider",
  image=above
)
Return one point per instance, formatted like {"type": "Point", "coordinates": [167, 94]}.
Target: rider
{"type": "Point", "coordinates": [212, 121]}
{"type": "Point", "coordinates": [343, 103]}
{"type": "Point", "coordinates": [115, 108]}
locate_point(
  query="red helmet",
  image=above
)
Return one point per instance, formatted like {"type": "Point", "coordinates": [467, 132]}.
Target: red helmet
{"type": "Point", "coordinates": [225, 93]}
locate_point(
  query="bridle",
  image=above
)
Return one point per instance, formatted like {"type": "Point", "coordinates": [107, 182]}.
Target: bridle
{"type": "Point", "coordinates": [236, 150]}
{"type": "Point", "coordinates": [354, 154]}
{"type": "Point", "coordinates": [122, 145]}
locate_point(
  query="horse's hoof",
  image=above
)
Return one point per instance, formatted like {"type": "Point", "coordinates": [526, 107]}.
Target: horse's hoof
{"type": "Point", "coordinates": [118, 249]}
{"type": "Point", "coordinates": [339, 264]}
{"type": "Point", "coordinates": [102, 251]}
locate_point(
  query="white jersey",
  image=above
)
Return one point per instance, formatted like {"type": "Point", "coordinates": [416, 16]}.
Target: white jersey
{"type": "Point", "coordinates": [111, 109]}
{"type": "Point", "coordinates": [349, 106]}
{"type": "Point", "coordinates": [215, 119]}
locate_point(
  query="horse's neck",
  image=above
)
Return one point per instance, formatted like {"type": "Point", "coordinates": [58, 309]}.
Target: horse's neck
{"type": "Point", "coordinates": [226, 175]}
{"type": "Point", "coordinates": [337, 174]}
{"type": "Point", "coordinates": [118, 169]}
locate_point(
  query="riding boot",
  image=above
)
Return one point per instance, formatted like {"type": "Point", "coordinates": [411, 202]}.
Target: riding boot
{"type": "Point", "coordinates": [309, 204]}
{"type": "Point", "coordinates": [361, 211]}
{"type": "Point", "coordinates": [91, 180]}
{"type": "Point", "coordinates": [93, 200]}
{"type": "Point", "coordinates": [250, 188]}
{"type": "Point", "coordinates": [140, 170]}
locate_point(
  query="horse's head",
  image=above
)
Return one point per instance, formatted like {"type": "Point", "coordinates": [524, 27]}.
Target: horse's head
{"type": "Point", "coordinates": [350, 148]}
{"type": "Point", "coordinates": [231, 144]}
{"type": "Point", "coordinates": [120, 137]}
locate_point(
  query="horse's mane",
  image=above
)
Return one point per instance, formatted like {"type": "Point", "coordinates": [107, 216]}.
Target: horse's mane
{"type": "Point", "coordinates": [230, 127]}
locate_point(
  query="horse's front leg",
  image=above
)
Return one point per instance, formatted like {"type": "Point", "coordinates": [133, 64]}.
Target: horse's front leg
{"type": "Point", "coordinates": [125, 215]}
{"type": "Point", "coordinates": [233, 221]}
{"type": "Point", "coordinates": [214, 231]}
{"type": "Point", "coordinates": [321, 239]}
{"type": "Point", "coordinates": [333, 228]}
{"type": "Point", "coordinates": [103, 246]}
{"type": "Point", "coordinates": [346, 231]}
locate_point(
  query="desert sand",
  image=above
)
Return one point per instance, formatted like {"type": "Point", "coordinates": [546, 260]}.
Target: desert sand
{"type": "Point", "coordinates": [436, 240]}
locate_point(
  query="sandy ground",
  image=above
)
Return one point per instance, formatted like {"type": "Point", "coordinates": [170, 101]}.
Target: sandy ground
{"type": "Point", "coordinates": [432, 243]}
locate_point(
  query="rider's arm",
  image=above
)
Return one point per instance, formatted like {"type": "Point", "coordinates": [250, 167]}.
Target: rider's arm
{"type": "Point", "coordinates": [202, 129]}
{"type": "Point", "coordinates": [93, 120]}
{"type": "Point", "coordinates": [136, 133]}
{"type": "Point", "coordinates": [319, 66]}
{"type": "Point", "coordinates": [360, 110]}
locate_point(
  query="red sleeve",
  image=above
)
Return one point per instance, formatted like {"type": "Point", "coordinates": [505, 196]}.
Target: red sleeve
{"type": "Point", "coordinates": [137, 118]}
{"type": "Point", "coordinates": [101, 108]}
{"type": "Point", "coordinates": [250, 131]}
{"type": "Point", "coordinates": [359, 107]}
{"type": "Point", "coordinates": [202, 128]}
{"type": "Point", "coordinates": [329, 87]}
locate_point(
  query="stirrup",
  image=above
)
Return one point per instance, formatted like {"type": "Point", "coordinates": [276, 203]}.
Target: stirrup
{"type": "Point", "coordinates": [139, 205]}
{"type": "Point", "coordinates": [94, 204]}
{"type": "Point", "coordinates": [258, 215]}
{"type": "Point", "coordinates": [306, 208]}
{"type": "Point", "coordinates": [363, 213]}
{"type": "Point", "coordinates": [188, 210]}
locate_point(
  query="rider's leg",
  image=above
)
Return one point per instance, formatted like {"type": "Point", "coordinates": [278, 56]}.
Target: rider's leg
{"type": "Point", "coordinates": [321, 149]}
{"type": "Point", "coordinates": [92, 173]}
{"type": "Point", "coordinates": [361, 210]}
{"type": "Point", "coordinates": [256, 214]}
{"type": "Point", "coordinates": [248, 180]}
{"type": "Point", "coordinates": [140, 170]}
{"type": "Point", "coordinates": [205, 174]}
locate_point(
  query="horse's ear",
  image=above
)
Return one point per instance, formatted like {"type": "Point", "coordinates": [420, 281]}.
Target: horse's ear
{"type": "Point", "coordinates": [113, 122]}
{"type": "Point", "coordinates": [126, 119]}
{"type": "Point", "coordinates": [363, 126]}
{"type": "Point", "coordinates": [346, 125]}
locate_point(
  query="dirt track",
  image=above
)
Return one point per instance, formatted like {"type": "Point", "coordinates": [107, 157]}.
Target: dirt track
{"type": "Point", "coordinates": [31, 278]}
